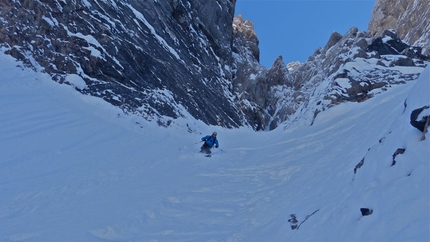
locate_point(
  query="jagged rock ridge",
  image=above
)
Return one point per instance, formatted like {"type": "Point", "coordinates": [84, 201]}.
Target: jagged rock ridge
{"type": "Point", "coordinates": [171, 59]}
{"type": "Point", "coordinates": [255, 86]}
{"type": "Point", "coordinates": [354, 69]}
{"type": "Point", "coordinates": [350, 68]}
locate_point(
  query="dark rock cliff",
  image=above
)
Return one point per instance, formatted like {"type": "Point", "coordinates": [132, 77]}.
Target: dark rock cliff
{"type": "Point", "coordinates": [158, 58]}
{"type": "Point", "coordinates": [409, 18]}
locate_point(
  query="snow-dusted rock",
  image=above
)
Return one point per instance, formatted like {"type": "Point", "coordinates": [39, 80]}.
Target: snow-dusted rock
{"type": "Point", "coordinates": [420, 118]}
{"type": "Point", "coordinates": [353, 68]}
{"type": "Point", "coordinates": [162, 59]}
{"type": "Point", "coordinates": [409, 18]}
{"type": "Point", "coordinates": [260, 92]}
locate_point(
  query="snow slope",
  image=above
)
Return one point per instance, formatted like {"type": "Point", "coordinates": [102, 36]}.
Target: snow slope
{"type": "Point", "coordinates": [74, 168]}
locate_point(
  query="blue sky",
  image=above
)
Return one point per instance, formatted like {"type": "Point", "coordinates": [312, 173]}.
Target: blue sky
{"type": "Point", "coordinates": [295, 29]}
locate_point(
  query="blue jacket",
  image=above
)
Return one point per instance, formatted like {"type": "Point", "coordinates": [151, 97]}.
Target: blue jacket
{"type": "Point", "coordinates": [210, 141]}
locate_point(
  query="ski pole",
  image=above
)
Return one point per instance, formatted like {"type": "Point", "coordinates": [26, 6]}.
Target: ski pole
{"type": "Point", "coordinates": [189, 145]}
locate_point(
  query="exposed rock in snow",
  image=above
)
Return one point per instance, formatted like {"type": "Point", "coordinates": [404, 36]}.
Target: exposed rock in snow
{"type": "Point", "coordinates": [366, 211]}
{"type": "Point", "coordinates": [420, 118]}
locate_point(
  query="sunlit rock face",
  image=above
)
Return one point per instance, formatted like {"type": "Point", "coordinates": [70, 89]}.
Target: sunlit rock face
{"type": "Point", "coordinates": [409, 18]}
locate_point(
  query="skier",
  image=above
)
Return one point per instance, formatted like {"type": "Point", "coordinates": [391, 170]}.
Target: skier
{"type": "Point", "coordinates": [210, 141]}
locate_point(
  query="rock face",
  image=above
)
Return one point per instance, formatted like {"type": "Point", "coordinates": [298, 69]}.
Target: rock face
{"type": "Point", "coordinates": [158, 58]}
{"type": "Point", "coordinates": [190, 58]}
{"type": "Point", "coordinates": [409, 18]}
{"type": "Point", "coordinates": [350, 68]}
{"type": "Point", "coordinates": [256, 87]}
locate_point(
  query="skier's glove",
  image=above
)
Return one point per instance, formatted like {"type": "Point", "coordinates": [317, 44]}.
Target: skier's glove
{"type": "Point", "coordinates": [216, 146]}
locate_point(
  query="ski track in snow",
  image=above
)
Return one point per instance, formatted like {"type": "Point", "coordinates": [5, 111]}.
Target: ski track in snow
{"type": "Point", "coordinates": [75, 169]}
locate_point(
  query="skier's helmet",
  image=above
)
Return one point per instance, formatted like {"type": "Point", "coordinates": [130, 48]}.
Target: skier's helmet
{"type": "Point", "coordinates": [214, 134]}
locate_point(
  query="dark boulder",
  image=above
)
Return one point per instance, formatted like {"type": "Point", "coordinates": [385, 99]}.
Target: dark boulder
{"type": "Point", "coordinates": [366, 211]}
{"type": "Point", "coordinates": [419, 121]}
{"type": "Point", "coordinates": [388, 44]}
{"type": "Point", "coordinates": [359, 165]}
{"type": "Point", "coordinates": [161, 59]}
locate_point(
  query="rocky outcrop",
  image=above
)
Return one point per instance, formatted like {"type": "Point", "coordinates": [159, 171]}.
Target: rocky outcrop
{"type": "Point", "coordinates": [249, 81]}
{"type": "Point", "coordinates": [399, 151]}
{"type": "Point", "coordinates": [162, 59]}
{"type": "Point", "coordinates": [257, 88]}
{"type": "Point", "coordinates": [391, 44]}
{"type": "Point", "coordinates": [409, 18]}
{"type": "Point", "coordinates": [286, 93]}
{"type": "Point", "coordinates": [346, 69]}
{"type": "Point", "coordinates": [366, 211]}
{"type": "Point", "coordinates": [244, 34]}
{"type": "Point", "coordinates": [350, 68]}
{"type": "Point", "coordinates": [420, 119]}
